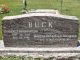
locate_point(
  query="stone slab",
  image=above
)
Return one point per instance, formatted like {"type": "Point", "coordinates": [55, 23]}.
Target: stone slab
{"type": "Point", "coordinates": [40, 30]}
{"type": "Point", "coordinates": [44, 52]}
{"type": "Point", "coordinates": [44, 11]}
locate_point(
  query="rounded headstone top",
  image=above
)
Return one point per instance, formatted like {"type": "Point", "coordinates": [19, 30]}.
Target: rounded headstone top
{"type": "Point", "coordinates": [41, 12]}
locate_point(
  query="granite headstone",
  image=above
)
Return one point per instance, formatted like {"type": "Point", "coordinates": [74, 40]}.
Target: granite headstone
{"type": "Point", "coordinates": [40, 30]}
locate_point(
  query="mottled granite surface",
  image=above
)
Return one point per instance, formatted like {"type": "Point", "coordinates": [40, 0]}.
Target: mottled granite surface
{"type": "Point", "coordinates": [40, 30]}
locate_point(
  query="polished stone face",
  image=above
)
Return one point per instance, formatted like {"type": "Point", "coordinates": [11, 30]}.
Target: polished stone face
{"type": "Point", "coordinates": [40, 31]}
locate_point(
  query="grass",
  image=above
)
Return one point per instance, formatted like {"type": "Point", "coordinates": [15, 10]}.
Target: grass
{"type": "Point", "coordinates": [10, 58]}
{"type": "Point", "coordinates": [19, 58]}
{"type": "Point", "coordinates": [70, 7]}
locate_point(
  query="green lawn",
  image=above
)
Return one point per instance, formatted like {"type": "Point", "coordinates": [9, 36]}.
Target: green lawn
{"type": "Point", "coordinates": [11, 57]}
{"type": "Point", "coordinates": [70, 7]}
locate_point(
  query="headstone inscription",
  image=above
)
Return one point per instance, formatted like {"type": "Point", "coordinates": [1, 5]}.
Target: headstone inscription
{"type": "Point", "coordinates": [40, 30]}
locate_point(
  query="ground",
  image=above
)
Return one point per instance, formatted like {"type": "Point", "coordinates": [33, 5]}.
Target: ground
{"type": "Point", "coordinates": [69, 7]}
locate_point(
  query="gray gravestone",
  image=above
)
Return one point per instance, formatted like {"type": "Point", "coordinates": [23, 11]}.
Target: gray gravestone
{"type": "Point", "coordinates": [40, 30]}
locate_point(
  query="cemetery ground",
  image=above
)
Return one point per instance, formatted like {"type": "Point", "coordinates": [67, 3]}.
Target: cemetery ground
{"type": "Point", "coordinates": [69, 7]}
